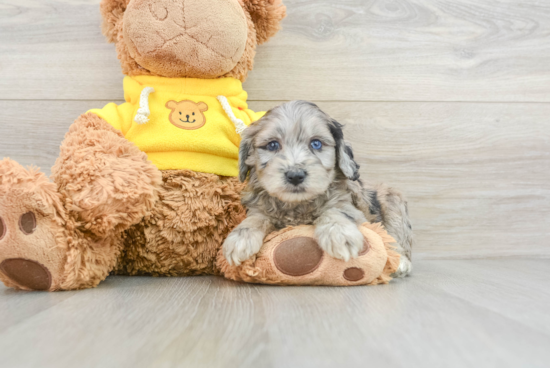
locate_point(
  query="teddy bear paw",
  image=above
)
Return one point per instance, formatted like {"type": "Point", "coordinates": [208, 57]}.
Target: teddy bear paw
{"type": "Point", "coordinates": [293, 256]}
{"type": "Point", "coordinates": [31, 257]}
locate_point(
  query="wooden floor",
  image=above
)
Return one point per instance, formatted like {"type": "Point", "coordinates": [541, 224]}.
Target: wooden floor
{"type": "Point", "coordinates": [447, 100]}
{"type": "Point", "coordinates": [463, 313]}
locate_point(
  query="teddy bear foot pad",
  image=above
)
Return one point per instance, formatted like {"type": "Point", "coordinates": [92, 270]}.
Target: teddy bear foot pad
{"type": "Point", "coordinates": [30, 257]}
{"type": "Point", "coordinates": [292, 256]}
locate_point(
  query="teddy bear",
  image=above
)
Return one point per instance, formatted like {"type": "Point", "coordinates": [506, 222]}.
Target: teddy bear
{"type": "Point", "coordinates": [150, 187]}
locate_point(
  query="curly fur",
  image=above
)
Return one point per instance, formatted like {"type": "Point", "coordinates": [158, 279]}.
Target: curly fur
{"type": "Point", "coordinates": [331, 196]}
{"type": "Point", "coordinates": [267, 16]}
{"type": "Point", "coordinates": [184, 231]}
{"type": "Point", "coordinates": [110, 182]}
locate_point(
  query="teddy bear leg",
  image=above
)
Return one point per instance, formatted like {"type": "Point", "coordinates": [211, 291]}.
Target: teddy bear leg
{"type": "Point", "coordinates": [109, 182]}
{"type": "Point", "coordinates": [292, 256]}
{"type": "Point", "coordinates": [110, 186]}
{"type": "Point", "coordinates": [68, 234]}
{"type": "Point", "coordinates": [41, 244]}
{"type": "Point", "coordinates": [32, 229]}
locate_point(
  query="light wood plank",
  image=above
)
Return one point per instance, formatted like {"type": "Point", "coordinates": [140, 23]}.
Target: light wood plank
{"type": "Point", "coordinates": [32, 131]}
{"type": "Point", "coordinates": [476, 174]}
{"type": "Point", "coordinates": [406, 50]}
{"type": "Point", "coordinates": [211, 322]}
{"type": "Point", "coordinates": [16, 306]}
{"type": "Point", "coordinates": [520, 284]}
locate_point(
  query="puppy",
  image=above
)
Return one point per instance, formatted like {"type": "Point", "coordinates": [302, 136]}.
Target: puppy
{"type": "Point", "coordinates": [301, 172]}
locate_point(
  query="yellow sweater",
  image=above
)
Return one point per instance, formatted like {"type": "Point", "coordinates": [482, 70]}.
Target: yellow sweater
{"type": "Point", "coordinates": [180, 123]}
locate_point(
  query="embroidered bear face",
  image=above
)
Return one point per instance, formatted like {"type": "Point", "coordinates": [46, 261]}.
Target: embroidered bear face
{"type": "Point", "coordinates": [187, 114]}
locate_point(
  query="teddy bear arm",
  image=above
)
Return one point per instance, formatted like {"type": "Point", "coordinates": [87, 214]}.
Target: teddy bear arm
{"type": "Point", "coordinates": [292, 256]}
{"type": "Point", "coordinates": [110, 182]}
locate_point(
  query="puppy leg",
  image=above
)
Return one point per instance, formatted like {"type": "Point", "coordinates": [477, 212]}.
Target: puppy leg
{"type": "Point", "coordinates": [338, 234]}
{"type": "Point", "coordinates": [247, 238]}
{"type": "Point", "coordinates": [388, 206]}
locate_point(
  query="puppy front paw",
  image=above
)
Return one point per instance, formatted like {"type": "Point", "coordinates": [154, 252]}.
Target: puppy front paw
{"type": "Point", "coordinates": [242, 244]}
{"type": "Point", "coordinates": [341, 240]}
{"type": "Point", "coordinates": [405, 268]}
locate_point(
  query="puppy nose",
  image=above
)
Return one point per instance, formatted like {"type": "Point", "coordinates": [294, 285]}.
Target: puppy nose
{"type": "Point", "coordinates": [295, 177]}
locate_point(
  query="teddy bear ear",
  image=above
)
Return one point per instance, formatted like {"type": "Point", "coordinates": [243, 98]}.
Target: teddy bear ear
{"type": "Point", "coordinates": [112, 12]}
{"type": "Point", "coordinates": [171, 105]}
{"type": "Point", "coordinates": [202, 106]}
{"type": "Point", "coordinates": [267, 16]}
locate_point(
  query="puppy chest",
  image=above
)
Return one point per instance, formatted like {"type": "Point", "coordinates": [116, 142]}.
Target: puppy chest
{"type": "Point", "coordinates": [297, 216]}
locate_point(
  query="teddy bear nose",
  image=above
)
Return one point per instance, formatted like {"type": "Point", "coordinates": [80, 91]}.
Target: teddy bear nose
{"type": "Point", "coordinates": [187, 116]}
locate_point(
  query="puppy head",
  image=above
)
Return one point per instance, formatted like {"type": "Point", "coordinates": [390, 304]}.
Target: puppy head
{"type": "Point", "coordinates": [295, 151]}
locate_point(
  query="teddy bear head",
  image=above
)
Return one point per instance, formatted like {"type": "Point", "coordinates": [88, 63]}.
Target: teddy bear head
{"type": "Point", "coordinates": [190, 38]}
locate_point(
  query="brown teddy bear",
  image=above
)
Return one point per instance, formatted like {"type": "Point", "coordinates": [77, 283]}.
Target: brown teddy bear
{"type": "Point", "coordinates": [149, 187]}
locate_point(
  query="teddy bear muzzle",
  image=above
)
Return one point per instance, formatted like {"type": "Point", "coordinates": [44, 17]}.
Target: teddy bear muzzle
{"type": "Point", "coordinates": [186, 38]}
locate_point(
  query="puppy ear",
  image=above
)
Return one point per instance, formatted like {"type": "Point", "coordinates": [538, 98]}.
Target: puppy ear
{"type": "Point", "coordinates": [245, 150]}
{"type": "Point", "coordinates": [344, 153]}
{"type": "Point", "coordinates": [267, 16]}
{"type": "Point", "coordinates": [246, 161]}
{"type": "Point", "coordinates": [171, 105]}
{"type": "Point", "coordinates": [112, 12]}
{"type": "Point", "coordinates": [202, 106]}
{"type": "Point", "coordinates": [347, 164]}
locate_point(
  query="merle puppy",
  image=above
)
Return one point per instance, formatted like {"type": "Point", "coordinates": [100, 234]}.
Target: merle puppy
{"type": "Point", "coordinates": [302, 172]}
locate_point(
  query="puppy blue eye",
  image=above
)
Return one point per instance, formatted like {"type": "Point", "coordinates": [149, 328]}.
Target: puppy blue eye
{"type": "Point", "coordinates": [316, 144]}
{"type": "Point", "coordinates": [273, 146]}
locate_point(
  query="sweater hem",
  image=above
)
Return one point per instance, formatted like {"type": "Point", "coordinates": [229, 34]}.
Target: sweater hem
{"type": "Point", "coordinates": [195, 161]}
